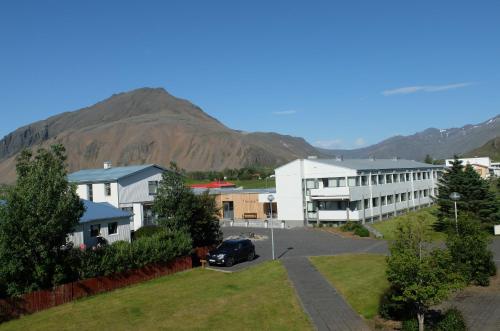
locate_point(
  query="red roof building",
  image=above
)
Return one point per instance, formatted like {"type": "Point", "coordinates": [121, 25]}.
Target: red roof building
{"type": "Point", "coordinates": [216, 184]}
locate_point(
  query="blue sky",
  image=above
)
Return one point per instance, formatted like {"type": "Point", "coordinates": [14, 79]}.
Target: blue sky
{"type": "Point", "coordinates": [340, 74]}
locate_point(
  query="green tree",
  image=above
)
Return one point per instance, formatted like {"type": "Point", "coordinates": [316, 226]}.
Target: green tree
{"type": "Point", "coordinates": [179, 208]}
{"type": "Point", "coordinates": [429, 159]}
{"type": "Point", "coordinates": [476, 196]}
{"type": "Point", "coordinates": [418, 274]}
{"type": "Point", "coordinates": [40, 210]}
{"type": "Point", "coordinates": [469, 250]}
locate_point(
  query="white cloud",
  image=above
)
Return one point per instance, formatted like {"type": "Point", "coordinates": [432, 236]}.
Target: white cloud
{"type": "Point", "coordinates": [285, 112]}
{"type": "Point", "coordinates": [425, 88]}
{"type": "Point", "coordinates": [359, 142]}
{"type": "Point", "coordinates": [332, 143]}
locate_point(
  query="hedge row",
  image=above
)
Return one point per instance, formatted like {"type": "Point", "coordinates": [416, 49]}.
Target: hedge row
{"type": "Point", "coordinates": [121, 256]}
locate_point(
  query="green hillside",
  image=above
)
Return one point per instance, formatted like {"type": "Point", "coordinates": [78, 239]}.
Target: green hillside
{"type": "Point", "coordinates": [491, 149]}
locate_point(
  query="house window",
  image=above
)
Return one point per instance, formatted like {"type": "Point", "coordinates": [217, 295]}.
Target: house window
{"type": "Point", "coordinates": [332, 205]}
{"type": "Point", "coordinates": [113, 228]}
{"type": "Point", "coordinates": [388, 179]}
{"type": "Point", "coordinates": [403, 196]}
{"type": "Point", "coordinates": [375, 202]}
{"type": "Point", "coordinates": [95, 230]}
{"type": "Point", "coordinates": [374, 179]}
{"type": "Point", "coordinates": [419, 176]}
{"type": "Point", "coordinates": [334, 182]}
{"type": "Point", "coordinates": [415, 195]}
{"type": "Point", "coordinates": [414, 176]}
{"type": "Point", "coordinates": [397, 197]}
{"type": "Point", "coordinates": [353, 181]}
{"type": "Point", "coordinates": [107, 189]}
{"type": "Point", "coordinates": [396, 178]}
{"type": "Point", "coordinates": [311, 183]}
{"type": "Point", "coordinates": [354, 205]}
{"type": "Point", "coordinates": [381, 179]}
{"type": "Point", "coordinates": [407, 176]}
{"type": "Point", "coordinates": [153, 187]}
{"type": "Point", "coordinates": [367, 203]}
{"type": "Point", "coordinates": [90, 192]}
{"type": "Point", "coordinates": [383, 201]}
{"type": "Point", "coordinates": [402, 177]}
{"type": "Point", "coordinates": [364, 180]}
{"type": "Point", "coordinates": [390, 199]}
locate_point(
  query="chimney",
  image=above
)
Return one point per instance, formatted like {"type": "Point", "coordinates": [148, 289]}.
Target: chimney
{"type": "Point", "coordinates": [339, 158]}
{"type": "Point", "coordinates": [107, 165]}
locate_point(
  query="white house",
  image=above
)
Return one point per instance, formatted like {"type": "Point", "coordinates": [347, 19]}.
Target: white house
{"type": "Point", "coordinates": [483, 165]}
{"type": "Point", "coordinates": [335, 190]}
{"type": "Point", "coordinates": [101, 220]}
{"type": "Point", "coordinates": [130, 188]}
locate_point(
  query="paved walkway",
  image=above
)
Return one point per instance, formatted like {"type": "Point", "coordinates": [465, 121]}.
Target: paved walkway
{"type": "Point", "coordinates": [326, 307]}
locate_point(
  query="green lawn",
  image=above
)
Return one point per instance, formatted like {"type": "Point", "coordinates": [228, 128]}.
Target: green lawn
{"type": "Point", "coordinates": [359, 277]}
{"type": "Point", "coordinates": [388, 227]}
{"type": "Point", "coordinates": [259, 298]}
{"type": "Point", "coordinates": [248, 184]}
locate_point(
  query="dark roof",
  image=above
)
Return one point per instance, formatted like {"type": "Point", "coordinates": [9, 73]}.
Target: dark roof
{"type": "Point", "coordinates": [108, 175]}
{"type": "Point", "coordinates": [101, 211]}
{"type": "Point", "coordinates": [377, 164]}
{"type": "Point", "coordinates": [97, 211]}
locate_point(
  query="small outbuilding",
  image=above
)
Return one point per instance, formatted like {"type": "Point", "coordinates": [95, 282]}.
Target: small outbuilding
{"type": "Point", "coordinates": [101, 220]}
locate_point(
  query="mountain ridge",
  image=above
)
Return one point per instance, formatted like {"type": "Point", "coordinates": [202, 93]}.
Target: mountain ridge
{"type": "Point", "coordinates": [439, 143]}
{"type": "Point", "coordinates": [149, 125]}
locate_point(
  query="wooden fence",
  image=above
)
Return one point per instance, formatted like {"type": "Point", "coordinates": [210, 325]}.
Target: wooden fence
{"type": "Point", "coordinates": [40, 300]}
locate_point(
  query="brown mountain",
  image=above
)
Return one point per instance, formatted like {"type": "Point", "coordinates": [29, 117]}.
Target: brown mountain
{"type": "Point", "coordinates": [149, 126]}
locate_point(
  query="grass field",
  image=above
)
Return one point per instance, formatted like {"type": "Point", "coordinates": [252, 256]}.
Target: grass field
{"type": "Point", "coordinates": [388, 228]}
{"type": "Point", "coordinates": [359, 277]}
{"type": "Point", "coordinates": [259, 298]}
{"type": "Point", "coordinates": [248, 184]}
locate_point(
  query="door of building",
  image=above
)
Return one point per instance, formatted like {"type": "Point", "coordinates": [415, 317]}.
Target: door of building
{"type": "Point", "coordinates": [228, 210]}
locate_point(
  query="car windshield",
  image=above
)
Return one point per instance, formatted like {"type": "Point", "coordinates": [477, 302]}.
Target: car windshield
{"type": "Point", "coordinates": [226, 245]}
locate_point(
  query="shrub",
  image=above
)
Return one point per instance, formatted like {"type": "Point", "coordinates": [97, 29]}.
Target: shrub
{"type": "Point", "coordinates": [452, 320]}
{"type": "Point", "coordinates": [122, 256]}
{"type": "Point", "coordinates": [361, 231]}
{"type": "Point", "coordinates": [356, 228]}
{"type": "Point", "coordinates": [409, 325]}
{"type": "Point", "coordinates": [147, 231]}
{"type": "Point", "coordinates": [394, 310]}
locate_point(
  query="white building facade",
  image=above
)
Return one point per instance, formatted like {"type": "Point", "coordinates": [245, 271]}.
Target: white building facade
{"type": "Point", "coordinates": [101, 220]}
{"type": "Point", "coordinates": [336, 191]}
{"type": "Point", "coordinates": [131, 188]}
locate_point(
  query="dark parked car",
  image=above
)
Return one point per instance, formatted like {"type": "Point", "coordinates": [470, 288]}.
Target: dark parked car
{"type": "Point", "coordinates": [232, 251]}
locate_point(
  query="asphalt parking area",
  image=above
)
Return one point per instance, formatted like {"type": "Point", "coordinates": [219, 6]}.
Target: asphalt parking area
{"type": "Point", "coordinates": [299, 242]}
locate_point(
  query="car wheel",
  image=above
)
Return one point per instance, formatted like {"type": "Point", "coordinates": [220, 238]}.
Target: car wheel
{"type": "Point", "coordinates": [229, 262]}
{"type": "Point", "coordinates": [251, 256]}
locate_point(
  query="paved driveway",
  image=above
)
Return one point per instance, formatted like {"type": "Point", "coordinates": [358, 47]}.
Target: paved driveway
{"type": "Point", "coordinates": [300, 242]}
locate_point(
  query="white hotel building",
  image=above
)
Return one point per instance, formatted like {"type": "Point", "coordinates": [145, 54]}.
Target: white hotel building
{"type": "Point", "coordinates": [336, 191]}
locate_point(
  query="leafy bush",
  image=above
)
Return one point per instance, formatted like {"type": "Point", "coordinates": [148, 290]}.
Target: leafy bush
{"type": "Point", "coordinates": [361, 231]}
{"type": "Point", "coordinates": [148, 231]}
{"type": "Point", "coordinates": [394, 310]}
{"type": "Point", "coordinates": [409, 325]}
{"type": "Point", "coordinates": [452, 320]}
{"type": "Point", "coordinates": [122, 256]}
{"type": "Point", "coordinates": [356, 228]}
{"type": "Point", "coordinates": [470, 252]}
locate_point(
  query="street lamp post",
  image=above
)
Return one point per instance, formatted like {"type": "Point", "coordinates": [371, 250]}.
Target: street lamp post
{"type": "Point", "coordinates": [455, 196]}
{"type": "Point", "coordinates": [270, 198]}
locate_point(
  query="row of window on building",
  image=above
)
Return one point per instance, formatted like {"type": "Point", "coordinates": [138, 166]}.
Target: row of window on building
{"type": "Point", "coordinates": [374, 202]}
{"type": "Point", "coordinates": [378, 179]}
{"type": "Point", "coordinates": [152, 188]}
